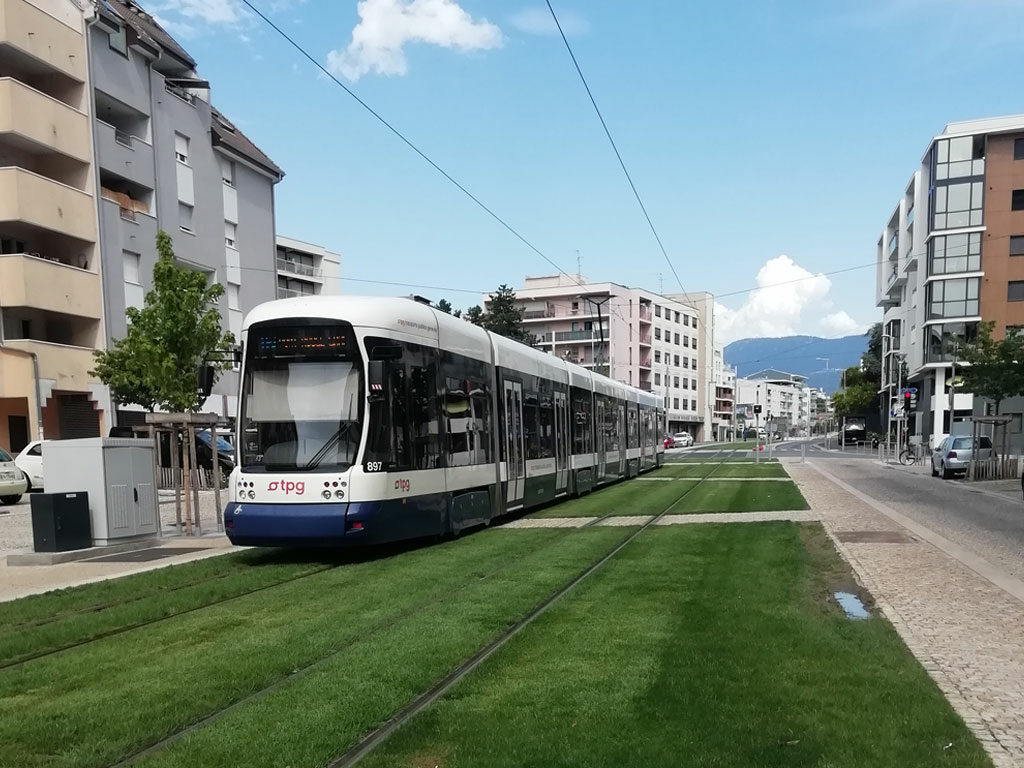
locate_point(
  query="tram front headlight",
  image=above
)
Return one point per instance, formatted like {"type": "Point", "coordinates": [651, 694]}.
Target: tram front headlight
{"type": "Point", "coordinates": [326, 495]}
{"type": "Point", "coordinates": [339, 494]}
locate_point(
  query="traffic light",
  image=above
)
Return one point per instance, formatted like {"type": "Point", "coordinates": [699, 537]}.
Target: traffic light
{"type": "Point", "coordinates": [908, 402]}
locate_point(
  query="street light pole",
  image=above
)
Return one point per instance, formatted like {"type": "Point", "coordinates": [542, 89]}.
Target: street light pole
{"type": "Point", "coordinates": [600, 325]}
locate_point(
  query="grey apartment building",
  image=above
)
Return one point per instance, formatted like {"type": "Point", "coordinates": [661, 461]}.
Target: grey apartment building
{"type": "Point", "coordinates": [167, 159]}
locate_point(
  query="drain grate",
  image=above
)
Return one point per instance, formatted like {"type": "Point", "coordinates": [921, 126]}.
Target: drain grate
{"type": "Point", "coordinates": [146, 555]}
{"type": "Point", "coordinates": [874, 537]}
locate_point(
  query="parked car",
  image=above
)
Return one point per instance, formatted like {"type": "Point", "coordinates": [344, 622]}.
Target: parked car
{"type": "Point", "coordinates": [30, 462]}
{"type": "Point", "coordinates": [225, 452]}
{"type": "Point", "coordinates": [12, 481]}
{"type": "Point", "coordinates": [954, 453]}
{"type": "Point", "coordinates": [682, 440]}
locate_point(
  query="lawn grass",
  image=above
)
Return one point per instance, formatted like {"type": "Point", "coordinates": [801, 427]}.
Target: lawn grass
{"type": "Point", "coordinates": [697, 646]}
{"type": "Point", "coordinates": [725, 470]}
{"type": "Point", "coordinates": [43, 623]}
{"type": "Point", "coordinates": [742, 496]}
{"type": "Point", "coordinates": [629, 497]}
{"type": "Point", "coordinates": [394, 625]}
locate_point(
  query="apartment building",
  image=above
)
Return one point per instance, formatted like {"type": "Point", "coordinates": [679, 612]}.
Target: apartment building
{"type": "Point", "coordinates": [650, 341]}
{"type": "Point", "coordinates": [782, 396]}
{"type": "Point", "coordinates": [723, 414]}
{"type": "Point", "coordinates": [704, 303]}
{"type": "Point", "coordinates": [168, 160]}
{"type": "Point", "coordinates": [950, 256]}
{"type": "Point", "coordinates": [50, 298]}
{"type": "Point", "coordinates": [304, 269]}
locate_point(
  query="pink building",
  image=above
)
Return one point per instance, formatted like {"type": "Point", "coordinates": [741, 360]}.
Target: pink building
{"type": "Point", "coordinates": [650, 341]}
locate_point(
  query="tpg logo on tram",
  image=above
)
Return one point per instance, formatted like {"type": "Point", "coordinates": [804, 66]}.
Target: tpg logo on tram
{"type": "Point", "coordinates": [288, 487]}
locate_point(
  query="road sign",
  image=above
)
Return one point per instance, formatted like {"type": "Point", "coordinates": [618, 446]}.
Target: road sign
{"type": "Point", "coordinates": [757, 409]}
{"type": "Point", "coordinates": [897, 412]}
{"type": "Point", "coordinates": [911, 390]}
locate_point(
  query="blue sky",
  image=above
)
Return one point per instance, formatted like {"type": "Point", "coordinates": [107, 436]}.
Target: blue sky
{"type": "Point", "coordinates": [754, 130]}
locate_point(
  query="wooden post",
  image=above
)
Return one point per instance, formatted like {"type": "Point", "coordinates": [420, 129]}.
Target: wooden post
{"type": "Point", "coordinates": [190, 431]}
{"type": "Point", "coordinates": [175, 453]}
{"type": "Point", "coordinates": [186, 473]}
{"type": "Point", "coordinates": [216, 475]}
{"type": "Point", "coordinates": [156, 478]}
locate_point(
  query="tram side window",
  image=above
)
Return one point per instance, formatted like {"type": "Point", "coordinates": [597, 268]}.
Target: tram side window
{"type": "Point", "coordinates": [546, 427]}
{"type": "Point", "coordinates": [423, 423]}
{"type": "Point", "coordinates": [531, 424]}
{"type": "Point", "coordinates": [399, 421]}
{"type": "Point", "coordinates": [582, 429]}
{"type": "Point", "coordinates": [467, 405]}
{"type": "Point", "coordinates": [633, 428]}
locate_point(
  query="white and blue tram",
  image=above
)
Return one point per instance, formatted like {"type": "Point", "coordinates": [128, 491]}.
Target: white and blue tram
{"type": "Point", "coordinates": [365, 420]}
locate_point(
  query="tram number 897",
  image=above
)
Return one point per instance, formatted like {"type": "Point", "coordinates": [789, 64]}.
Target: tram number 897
{"type": "Point", "coordinates": [374, 466]}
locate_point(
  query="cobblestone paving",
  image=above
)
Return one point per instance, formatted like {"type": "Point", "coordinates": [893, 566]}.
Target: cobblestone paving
{"type": "Point", "coordinates": [966, 632]}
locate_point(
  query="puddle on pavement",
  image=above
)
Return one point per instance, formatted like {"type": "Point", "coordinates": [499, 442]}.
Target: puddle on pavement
{"type": "Point", "coordinates": [852, 605]}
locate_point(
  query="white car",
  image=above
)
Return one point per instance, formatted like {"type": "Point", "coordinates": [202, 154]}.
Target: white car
{"type": "Point", "coordinates": [682, 440]}
{"type": "Point", "coordinates": [30, 462]}
{"type": "Point", "coordinates": [12, 482]}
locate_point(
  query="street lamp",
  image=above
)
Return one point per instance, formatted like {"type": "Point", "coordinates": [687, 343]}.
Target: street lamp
{"type": "Point", "coordinates": [599, 302]}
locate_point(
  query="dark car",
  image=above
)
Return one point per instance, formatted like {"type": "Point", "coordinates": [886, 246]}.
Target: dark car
{"type": "Point", "coordinates": [225, 452]}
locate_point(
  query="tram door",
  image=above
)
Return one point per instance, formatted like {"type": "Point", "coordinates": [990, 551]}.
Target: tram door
{"type": "Point", "coordinates": [515, 461]}
{"type": "Point", "coordinates": [562, 439]}
{"type": "Point", "coordinates": [600, 432]}
{"type": "Point", "coordinates": [621, 416]}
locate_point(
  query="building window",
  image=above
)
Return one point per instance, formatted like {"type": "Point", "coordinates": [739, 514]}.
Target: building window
{"type": "Point", "coordinates": [1015, 290]}
{"type": "Point", "coordinates": [686, 384]}
{"type": "Point", "coordinates": [181, 148]}
{"type": "Point", "coordinates": [675, 382]}
{"type": "Point", "coordinates": [131, 263]}
{"type": "Point", "coordinates": [233, 296]}
{"type": "Point", "coordinates": [942, 341]}
{"type": "Point", "coordinates": [657, 310]}
{"type": "Point", "coordinates": [677, 317]}
{"type": "Point", "coordinates": [1017, 245]}
{"type": "Point", "coordinates": [657, 356]}
{"type": "Point", "coordinates": [1017, 201]}
{"type": "Point", "coordinates": [693, 383]}
{"type": "Point", "coordinates": [657, 378]}
{"type": "Point", "coordinates": [693, 405]}
{"type": "Point", "coordinates": [677, 340]}
{"type": "Point", "coordinates": [686, 362]}
{"type": "Point", "coordinates": [953, 298]}
{"type": "Point", "coordinates": [694, 323]}
{"type": "Point", "coordinates": [1018, 149]}
{"type": "Point", "coordinates": [230, 233]}
{"type": "Point", "coordinates": [185, 216]}
{"type": "Point", "coordinates": [657, 334]}
{"type": "Point", "coordinates": [958, 205]}
{"type": "Point", "coordinates": [686, 320]}
{"type": "Point", "coordinates": [675, 359]}
{"type": "Point", "coordinates": [675, 403]}
{"type": "Point", "coordinates": [227, 171]}
{"type": "Point", "coordinates": [119, 41]}
{"type": "Point", "coordinates": [960, 158]}
{"type": "Point", "coordinates": [954, 253]}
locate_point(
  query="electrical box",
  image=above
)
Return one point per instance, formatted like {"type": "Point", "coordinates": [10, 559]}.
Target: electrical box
{"type": "Point", "coordinates": [118, 474]}
{"type": "Point", "coordinates": [60, 522]}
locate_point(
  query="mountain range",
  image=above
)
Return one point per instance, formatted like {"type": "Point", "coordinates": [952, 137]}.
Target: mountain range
{"type": "Point", "coordinates": [820, 360]}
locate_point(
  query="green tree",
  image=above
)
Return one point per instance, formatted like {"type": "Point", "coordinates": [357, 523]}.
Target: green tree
{"type": "Point", "coordinates": [505, 318]}
{"type": "Point", "coordinates": [871, 362]}
{"type": "Point", "coordinates": [993, 368]}
{"type": "Point", "coordinates": [857, 399]}
{"type": "Point", "coordinates": [475, 315]}
{"type": "Point", "coordinates": [156, 364]}
{"type": "Point", "coordinates": [444, 306]}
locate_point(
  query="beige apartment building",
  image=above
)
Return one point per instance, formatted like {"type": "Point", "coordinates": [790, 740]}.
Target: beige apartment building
{"type": "Point", "coordinates": [50, 300]}
{"type": "Point", "coordinates": [651, 342]}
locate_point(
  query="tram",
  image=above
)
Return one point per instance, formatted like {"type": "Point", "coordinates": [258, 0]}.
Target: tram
{"type": "Point", "coordinates": [365, 420]}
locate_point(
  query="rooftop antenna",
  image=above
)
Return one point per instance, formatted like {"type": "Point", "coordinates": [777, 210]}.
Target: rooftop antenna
{"type": "Point", "coordinates": [661, 284]}
{"type": "Point", "coordinates": [579, 273]}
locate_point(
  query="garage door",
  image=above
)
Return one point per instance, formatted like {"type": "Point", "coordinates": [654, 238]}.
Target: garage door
{"type": "Point", "coordinates": [77, 417]}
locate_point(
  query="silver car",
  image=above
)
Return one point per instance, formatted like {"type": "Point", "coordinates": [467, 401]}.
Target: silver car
{"type": "Point", "coordinates": [954, 453]}
{"type": "Point", "coordinates": [12, 481]}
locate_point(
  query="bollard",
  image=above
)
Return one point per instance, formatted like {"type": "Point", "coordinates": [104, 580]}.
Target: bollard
{"type": "Point", "coordinates": [803, 452]}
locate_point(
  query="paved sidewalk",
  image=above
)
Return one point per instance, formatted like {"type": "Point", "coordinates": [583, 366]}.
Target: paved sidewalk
{"type": "Point", "coordinates": [959, 615]}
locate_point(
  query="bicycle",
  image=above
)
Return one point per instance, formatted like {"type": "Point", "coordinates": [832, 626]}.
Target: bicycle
{"type": "Point", "coordinates": [911, 455]}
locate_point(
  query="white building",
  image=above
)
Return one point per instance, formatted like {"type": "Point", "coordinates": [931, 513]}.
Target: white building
{"type": "Point", "coordinates": [783, 398]}
{"type": "Point", "coordinates": [651, 342]}
{"type": "Point", "coordinates": [305, 269]}
{"type": "Point", "coordinates": [723, 415]}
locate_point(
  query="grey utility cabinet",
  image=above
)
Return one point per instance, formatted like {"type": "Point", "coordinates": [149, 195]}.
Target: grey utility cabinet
{"type": "Point", "coordinates": [117, 473]}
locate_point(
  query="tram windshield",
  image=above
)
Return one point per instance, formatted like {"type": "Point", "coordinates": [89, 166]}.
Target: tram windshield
{"type": "Point", "coordinates": [302, 397]}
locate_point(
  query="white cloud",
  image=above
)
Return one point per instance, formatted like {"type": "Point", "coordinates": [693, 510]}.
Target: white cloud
{"type": "Point", "coordinates": [538, 21]}
{"type": "Point", "coordinates": [385, 26]}
{"type": "Point", "coordinates": [225, 12]}
{"type": "Point", "coordinates": [789, 300]}
{"type": "Point", "coordinates": [838, 324]}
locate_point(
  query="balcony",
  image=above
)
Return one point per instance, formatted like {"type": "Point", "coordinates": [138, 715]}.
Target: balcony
{"type": "Point", "coordinates": [67, 366]}
{"type": "Point", "coordinates": [127, 156]}
{"type": "Point", "coordinates": [645, 339]}
{"type": "Point", "coordinates": [30, 281]}
{"type": "Point", "coordinates": [577, 335]}
{"type": "Point", "coordinates": [306, 271]}
{"type": "Point", "coordinates": [32, 121]}
{"type": "Point", "coordinates": [32, 199]}
{"type": "Point", "coordinates": [538, 314]}
{"type": "Point", "coordinates": [646, 316]}
{"type": "Point", "coordinates": [38, 41]}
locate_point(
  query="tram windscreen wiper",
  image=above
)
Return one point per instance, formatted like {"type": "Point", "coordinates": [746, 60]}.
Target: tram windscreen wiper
{"type": "Point", "coordinates": [320, 455]}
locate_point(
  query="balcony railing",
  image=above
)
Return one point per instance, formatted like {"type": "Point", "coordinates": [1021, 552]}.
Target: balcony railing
{"type": "Point", "coordinates": [290, 293]}
{"type": "Point", "coordinates": [295, 268]}
{"type": "Point", "coordinates": [645, 339]}
{"type": "Point", "coordinates": [645, 314]}
{"type": "Point", "coordinates": [576, 335]}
